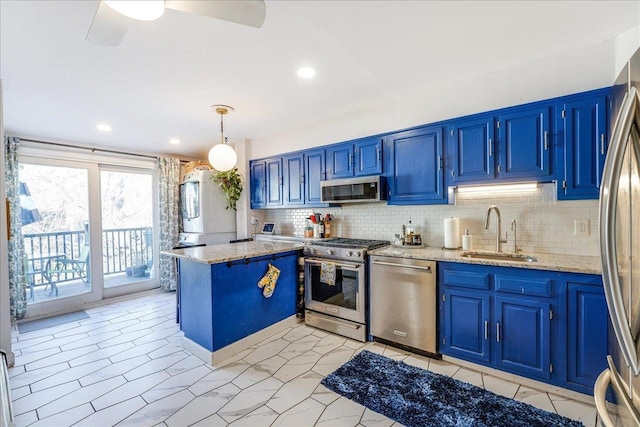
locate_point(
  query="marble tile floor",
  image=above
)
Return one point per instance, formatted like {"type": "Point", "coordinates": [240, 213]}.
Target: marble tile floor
{"type": "Point", "coordinates": [125, 366]}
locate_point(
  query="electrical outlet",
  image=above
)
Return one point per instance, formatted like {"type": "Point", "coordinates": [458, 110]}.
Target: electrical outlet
{"type": "Point", "coordinates": [254, 220]}
{"type": "Point", "coordinates": [580, 227]}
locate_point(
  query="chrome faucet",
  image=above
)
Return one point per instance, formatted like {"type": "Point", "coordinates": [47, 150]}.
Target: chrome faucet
{"type": "Point", "coordinates": [499, 239]}
{"type": "Point", "coordinates": [515, 237]}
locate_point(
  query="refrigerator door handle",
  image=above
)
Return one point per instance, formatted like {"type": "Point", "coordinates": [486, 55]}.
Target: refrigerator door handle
{"type": "Point", "coordinates": [600, 395]}
{"type": "Point", "coordinates": [626, 407]}
{"type": "Point", "coordinates": [629, 114]}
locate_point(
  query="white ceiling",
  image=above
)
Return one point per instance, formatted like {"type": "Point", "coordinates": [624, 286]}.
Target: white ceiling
{"type": "Point", "coordinates": [159, 83]}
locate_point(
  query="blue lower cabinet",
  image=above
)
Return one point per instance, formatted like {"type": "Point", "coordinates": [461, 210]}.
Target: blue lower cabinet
{"type": "Point", "coordinates": [544, 325]}
{"type": "Point", "coordinates": [587, 322]}
{"type": "Point", "coordinates": [523, 337]}
{"type": "Point", "coordinates": [466, 320]}
{"type": "Point", "coordinates": [222, 303]}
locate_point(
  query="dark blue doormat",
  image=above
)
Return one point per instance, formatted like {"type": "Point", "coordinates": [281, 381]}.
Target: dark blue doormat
{"type": "Point", "coordinates": [34, 325]}
{"type": "Point", "coordinates": [419, 398]}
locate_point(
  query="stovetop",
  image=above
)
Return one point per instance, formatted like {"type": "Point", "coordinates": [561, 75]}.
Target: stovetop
{"type": "Point", "coordinates": [343, 248]}
{"type": "Point", "coordinates": [343, 242]}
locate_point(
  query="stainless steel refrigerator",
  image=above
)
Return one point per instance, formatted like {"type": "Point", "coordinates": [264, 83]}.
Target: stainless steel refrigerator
{"type": "Point", "coordinates": [620, 253]}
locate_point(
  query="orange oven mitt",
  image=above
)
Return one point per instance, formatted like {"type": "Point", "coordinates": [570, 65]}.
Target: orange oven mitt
{"type": "Point", "coordinates": [268, 281]}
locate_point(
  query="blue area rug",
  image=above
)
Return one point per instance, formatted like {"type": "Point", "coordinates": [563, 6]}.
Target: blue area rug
{"type": "Point", "coordinates": [34, 325]}
{"type": "Point", "coordinates": [419, 398]}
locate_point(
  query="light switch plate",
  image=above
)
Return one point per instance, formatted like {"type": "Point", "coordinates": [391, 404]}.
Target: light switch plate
{"type": "Point", "coordinates": [580, 227]}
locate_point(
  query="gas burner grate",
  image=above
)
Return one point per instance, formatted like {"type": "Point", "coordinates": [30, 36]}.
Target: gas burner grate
{"type": "Point", "coordinates": [353, 243]}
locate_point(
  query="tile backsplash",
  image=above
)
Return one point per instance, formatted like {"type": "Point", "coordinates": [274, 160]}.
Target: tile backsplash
{"type": "Point", "coordinates": [544, 225]}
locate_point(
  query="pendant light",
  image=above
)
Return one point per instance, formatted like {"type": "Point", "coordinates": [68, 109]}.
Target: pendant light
{"type": "Point", "coordinates": [221, 156]}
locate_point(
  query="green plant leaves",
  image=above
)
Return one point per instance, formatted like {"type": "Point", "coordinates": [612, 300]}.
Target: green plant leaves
{"type": "Point", "coordinates": [231, 184]}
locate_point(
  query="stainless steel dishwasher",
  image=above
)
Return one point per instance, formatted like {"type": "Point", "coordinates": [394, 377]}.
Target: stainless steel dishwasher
{"type": "Point", "coordinates": [403, 302]}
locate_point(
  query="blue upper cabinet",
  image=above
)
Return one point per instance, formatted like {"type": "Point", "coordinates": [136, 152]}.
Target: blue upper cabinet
{"type": "Point", "coordinates": [513, 144]}
{"type": "Point", "coordinates": [258, 188]}
{"type": "Point", "coordinates": [294, 179]}
{"type": "Point", "coordinates": [416, 166]}
{"type": "Point", "coordinates": [354, 158]}
{"type": "Point", "coordinates": [472, 148]}
{"type": "Point", "coordinates": [274, 182]}
{"type": "Point", "coordinates": [314, 172]}
{"type": "Point", "coordinates": [340, 161]}
{"type": "Point", "coordinates": [524, 137]}
{"type": "Point", "coordinates": [583, 146]}
{"type": "Point", "coordinates": [368, 156]}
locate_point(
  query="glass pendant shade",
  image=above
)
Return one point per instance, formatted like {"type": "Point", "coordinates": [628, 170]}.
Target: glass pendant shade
{"type": "Point", "coordinates": [145, 10]}
{"type": "Point", "coordinates": [222, 157]}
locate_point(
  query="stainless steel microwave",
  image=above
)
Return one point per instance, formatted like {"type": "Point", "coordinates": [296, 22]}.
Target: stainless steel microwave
{"type": "Point", "coordinates": [352, 190]}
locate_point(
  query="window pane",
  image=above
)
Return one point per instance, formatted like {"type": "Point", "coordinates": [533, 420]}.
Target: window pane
{"type": "Point", "coordinates": [55, 226]}
{"type": "Point", "coordinates": [127, 227]}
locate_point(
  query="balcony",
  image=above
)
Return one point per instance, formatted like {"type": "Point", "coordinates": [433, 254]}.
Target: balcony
{"type": "Point", "coordinates": [56, 263]}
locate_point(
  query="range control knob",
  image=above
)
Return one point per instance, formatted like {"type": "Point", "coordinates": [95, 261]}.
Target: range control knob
{"type": "Point", "coordinates": [329, 251]}
{"type": "Point", "coordinates": [312, 251]}
{"type": "Point", "coordinates": [358, 254]}
{"type": "Point", "coordinates": [348, 253]}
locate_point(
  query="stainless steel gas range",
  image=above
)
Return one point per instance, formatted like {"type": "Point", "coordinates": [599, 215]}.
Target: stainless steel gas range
{"type": "Point", "coordinates": [336, 285]}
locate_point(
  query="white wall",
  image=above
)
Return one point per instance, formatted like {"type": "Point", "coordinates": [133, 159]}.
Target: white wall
{"type": "Point", "coordinates": [625, 45]}
{"type": "Point", "coordinates": [590, 67]}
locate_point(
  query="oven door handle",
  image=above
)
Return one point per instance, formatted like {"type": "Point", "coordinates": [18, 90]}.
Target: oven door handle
{"type": "Point", "coordinates": [338, 264]}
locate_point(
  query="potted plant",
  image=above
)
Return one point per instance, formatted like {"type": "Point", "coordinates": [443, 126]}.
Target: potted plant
{"type": "Point", "coordinates": [138, 269]}
{"type": "Point", "coordinates": [231, 184]}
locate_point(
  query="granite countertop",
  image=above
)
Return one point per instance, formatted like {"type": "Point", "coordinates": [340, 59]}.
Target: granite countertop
{"type": "Point", "coordinates": [233, 251]}
{"type": "Point", "coordinates": [554, 262]}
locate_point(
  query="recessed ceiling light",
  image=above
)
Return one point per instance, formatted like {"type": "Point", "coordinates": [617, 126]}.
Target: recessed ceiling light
{"type": "Point", "coordinates": [306, 72]}
{"type": "Point", "coordinates": [174, 141]}
{"type": "Point", "coordinates": [103, 127]}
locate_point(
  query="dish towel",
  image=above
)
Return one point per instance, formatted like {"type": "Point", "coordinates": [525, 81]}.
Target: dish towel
{"type": "Point", "coordinates": [269, 280]}
{"type": "Point", "coordinates": [328, 273]}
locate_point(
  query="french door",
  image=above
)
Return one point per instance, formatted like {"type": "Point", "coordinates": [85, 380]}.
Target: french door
{"type": "Point", "coordinates": [88, 232]}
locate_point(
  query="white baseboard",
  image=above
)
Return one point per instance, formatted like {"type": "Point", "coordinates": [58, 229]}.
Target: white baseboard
{"type": "Point", "coordinates": [537, 385]}
{"type": "Point", "coordinates": [232, 349]}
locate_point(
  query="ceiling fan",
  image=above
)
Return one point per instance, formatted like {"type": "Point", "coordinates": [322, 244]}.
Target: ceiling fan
{"type": "Point", "coordinates": [112, 18]}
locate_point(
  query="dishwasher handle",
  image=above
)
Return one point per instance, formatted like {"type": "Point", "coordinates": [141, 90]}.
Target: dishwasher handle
{"type": "Point", "coordinates": [392, 264]}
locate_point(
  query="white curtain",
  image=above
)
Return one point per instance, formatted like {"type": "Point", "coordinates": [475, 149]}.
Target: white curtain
{"type": "Point", "coordinates": [169, 200]}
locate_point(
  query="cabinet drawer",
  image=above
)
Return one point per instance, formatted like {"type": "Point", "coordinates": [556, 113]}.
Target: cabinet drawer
{"type": "Point", "coordinates": [466, 279]}
{"type": "Point", "coordinates": [540, 287]}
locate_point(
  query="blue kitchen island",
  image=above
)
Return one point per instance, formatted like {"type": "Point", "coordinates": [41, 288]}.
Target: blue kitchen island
{"type": "Point", "coordinates": [222, 310]}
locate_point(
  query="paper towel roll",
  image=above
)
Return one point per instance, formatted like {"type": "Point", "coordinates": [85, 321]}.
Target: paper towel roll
{"type": "Point", "coordinates": [451, 233]}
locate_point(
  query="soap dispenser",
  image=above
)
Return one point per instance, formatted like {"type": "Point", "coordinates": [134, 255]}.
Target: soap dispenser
{"type": "Point", "coordinates": [467, 240]}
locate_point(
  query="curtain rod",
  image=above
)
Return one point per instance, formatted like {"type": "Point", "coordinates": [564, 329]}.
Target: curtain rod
{"type": "Point", "coordinates": [102, 150]}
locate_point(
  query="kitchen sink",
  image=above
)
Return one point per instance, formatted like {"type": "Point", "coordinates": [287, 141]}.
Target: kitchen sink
{"type": "Point", "coordinates": [499, 256]}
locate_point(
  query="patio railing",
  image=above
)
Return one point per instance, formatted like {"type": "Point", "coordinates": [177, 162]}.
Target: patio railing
{"type": "Point", "coordinates": [122, 250]}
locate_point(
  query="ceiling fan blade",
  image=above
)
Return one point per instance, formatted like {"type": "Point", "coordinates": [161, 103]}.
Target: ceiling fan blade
{"type": "Point", "coordinates": [245, 12]}
{"type": "Point", "coordinates": [108, 26]}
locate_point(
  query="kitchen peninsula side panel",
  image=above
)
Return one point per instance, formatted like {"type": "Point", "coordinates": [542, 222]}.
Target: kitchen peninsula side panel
{"type": "Point", "coordinates": [221, 303]}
